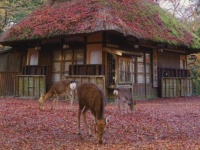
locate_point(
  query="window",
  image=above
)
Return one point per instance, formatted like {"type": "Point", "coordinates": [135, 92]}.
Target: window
{"type": "Point", "coordinates": [56, 65]}
{"type": "Point", "coordinates": [111, 69]}
{"type": "Point", "coordinates": [182, 62]}
{"type": "Point", "coordinates": [67, 60]}
{"type": "Point", "coordinates": [140, 68]}
{"type": "Point", "coordinates": [144, 68]}
{"type": "Point", "coordinates": [148, 68]}
{"type": "Point", "coordinates": [78, 56]}
{"type": "Point", "coordinates": [94, 57]}
{"type": "Point", "coordinates": [126, 68]}
{"type": "Point", "coordinates": [32, 58]}
{"type": "Point", "coordinates": [135, 69]}
{"type": "Point", "coordinates": [62, 59]}
{"type": "Point", "coordinates": [94, 54]}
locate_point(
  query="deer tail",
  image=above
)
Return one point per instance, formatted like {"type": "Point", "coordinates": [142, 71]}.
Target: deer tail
{"type": "Point", "coordinates": [115, 92]}
{"type": "Point", "coordinates": [72, 85]}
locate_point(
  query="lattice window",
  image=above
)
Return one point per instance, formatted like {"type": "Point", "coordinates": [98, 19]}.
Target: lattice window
{"type": "Point", "coordinates": [126, 67]}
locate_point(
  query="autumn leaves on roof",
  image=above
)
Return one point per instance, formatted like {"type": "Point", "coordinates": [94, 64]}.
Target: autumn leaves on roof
{"type": "Point", "coordinates": [136, 18]}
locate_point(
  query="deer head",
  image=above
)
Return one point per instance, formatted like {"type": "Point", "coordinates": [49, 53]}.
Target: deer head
{"type": "Point", "coordinates": [41, 100]}
{"type": "Point", "coordinates": [131, 104]}
{"type": "Point", "coordinates": [100, 126]}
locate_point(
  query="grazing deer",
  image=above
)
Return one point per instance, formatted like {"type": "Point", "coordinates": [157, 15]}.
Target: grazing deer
{"type": "Point", "coordinates": [92, 98]}
{"type": "Point", "coordinates": [123, 99]}
{"type": "Point", "coordinates": [57, 89]}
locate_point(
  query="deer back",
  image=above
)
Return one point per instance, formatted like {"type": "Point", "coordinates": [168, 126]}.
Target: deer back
{"type": "Point", "coordinates": [60, 87]}
{"type": "Point", "coordinates": [123, 93]}
{"type": "Point", "coordinates": [91, 96]}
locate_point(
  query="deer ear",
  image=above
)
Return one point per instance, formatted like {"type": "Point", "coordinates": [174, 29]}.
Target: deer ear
{"type": "Point", "coordinates": [107, 119]}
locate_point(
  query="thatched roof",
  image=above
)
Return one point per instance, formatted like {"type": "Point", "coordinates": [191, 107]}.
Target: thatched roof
{"type": "Point", "coordinates": [136, 18]}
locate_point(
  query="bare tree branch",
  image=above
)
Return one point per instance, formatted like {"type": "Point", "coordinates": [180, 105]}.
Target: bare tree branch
{"type": "Point", "coordinates": [186, 11]}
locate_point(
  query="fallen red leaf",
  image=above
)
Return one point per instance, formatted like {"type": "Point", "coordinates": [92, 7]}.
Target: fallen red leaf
{"type": "Point", "coordinates": [156, 124]}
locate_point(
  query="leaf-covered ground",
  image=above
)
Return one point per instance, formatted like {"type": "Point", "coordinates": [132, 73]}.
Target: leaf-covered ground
{"type": "Point", "coordinates": [155, 124]}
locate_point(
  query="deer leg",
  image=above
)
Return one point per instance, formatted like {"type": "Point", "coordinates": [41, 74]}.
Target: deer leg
{"type": "Point", "coordinates": [79, 117]}
{"type": "Point", "coordinates": [56, 102]}
{"type": "Point", "coordinates": [120, 106]}
{"type": "Point", "coordinates": [85, 120]}
{"type": "Point", "coordinates": [81, 108]}
{"type": "Point", "coordinates": [54, 99]}
{"type": "Point", "coordinates": [56, 105]}
{"type": "Point", "coordinates": [65, 96]}
{"type": "Point", "coordinates": [126, 107]}
{"type": "Point", "coordinates": [94, 125]}
{"type": "Point", "coordinates": [71, 99]}
{"type": "Point", "coordinates": [116, 103]}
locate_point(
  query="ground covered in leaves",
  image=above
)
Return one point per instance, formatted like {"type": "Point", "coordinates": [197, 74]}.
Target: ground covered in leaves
{"type": "Point", "coordinates": [155, 124]}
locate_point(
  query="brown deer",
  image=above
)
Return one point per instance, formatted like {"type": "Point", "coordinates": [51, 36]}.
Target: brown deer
{"type": "Point", "coordinates": [92, 98]}
{"type": "Point", "coordinates": [57, 89]}
{"type": "Point", "coordinates": [123, 99]}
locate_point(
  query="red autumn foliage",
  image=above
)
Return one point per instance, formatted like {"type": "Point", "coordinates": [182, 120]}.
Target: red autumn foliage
{"type": "Point", "coordinates": [136, 18]}
{"type": "Point", "coordinates": [155, 124]}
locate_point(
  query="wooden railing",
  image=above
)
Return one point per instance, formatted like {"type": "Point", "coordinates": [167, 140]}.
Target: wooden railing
{"type": "Point", "coordinates": [89, 69]}
{"type": "Point", "coordinates": [29, 85]}
{"type": "Point", "coordinates": [167, 72]}
{"type": "Point", "coordinates": [34, 70]}
{"type": "Point", "coordinates": [99, 80]}
{"type": "Point", "coordinates": [176, 86]}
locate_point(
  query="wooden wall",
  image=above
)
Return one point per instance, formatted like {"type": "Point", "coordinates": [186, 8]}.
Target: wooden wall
{"type": "Point", "coordinates": [7, 83]}
{"type": "Point", "coordinates": [10, 62]}
{"type": "Point", "coordinates": [3, 62]}
{"type": "Point", "coordinates": [10, 67]}
{"type": "Point", "coordinates": [45, 59]}
{"type": "Point", "coordinates": [168, 59]}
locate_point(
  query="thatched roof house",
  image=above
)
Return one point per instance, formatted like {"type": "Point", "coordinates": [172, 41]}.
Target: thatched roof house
{"type": "Point", "coordinates": [138, 18]}
{"type": "Point", "coordinates": [129, 43]}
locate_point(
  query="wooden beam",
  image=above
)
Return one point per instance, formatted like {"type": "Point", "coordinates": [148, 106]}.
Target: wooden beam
{"type": "Point", "coordinates": [120, 52]}
{"type": "Point", "coordinates": [112, 51]}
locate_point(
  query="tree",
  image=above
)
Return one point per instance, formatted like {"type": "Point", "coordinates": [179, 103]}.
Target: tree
{"type": "Point", "coordinates": [12, 11]}
{"type": "Point", "coordinates": [187, 11]}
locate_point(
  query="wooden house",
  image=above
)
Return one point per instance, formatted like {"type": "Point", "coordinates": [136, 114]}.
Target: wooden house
{"type": "Point", "coordinates": [134, 44]}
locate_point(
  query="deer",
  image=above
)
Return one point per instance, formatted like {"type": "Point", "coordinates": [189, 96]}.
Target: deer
{"type": "Point", "coordinates": [123, 99]}
{"type": "Point", "coordinates": [90, 97]}
{"type": "Point", "coordinates": [58, 89]}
